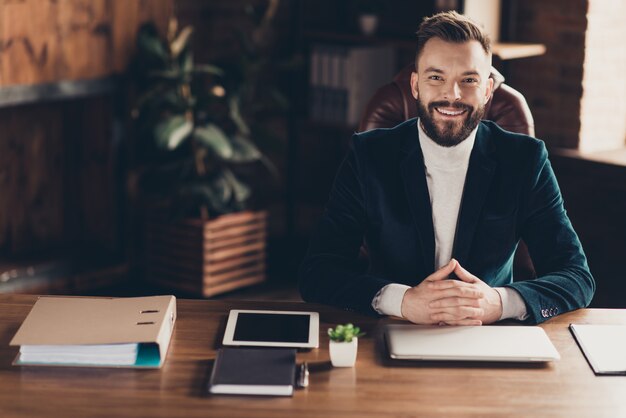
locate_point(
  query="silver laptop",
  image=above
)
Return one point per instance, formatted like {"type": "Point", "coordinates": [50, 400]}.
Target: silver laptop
{"type": "Point", "coordinates": [470, 343]}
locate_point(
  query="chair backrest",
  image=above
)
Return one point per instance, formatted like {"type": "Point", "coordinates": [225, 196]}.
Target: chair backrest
{"type": "Point", "coordinates": [393, 103]}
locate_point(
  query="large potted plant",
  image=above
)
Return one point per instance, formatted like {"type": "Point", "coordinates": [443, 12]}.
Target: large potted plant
{"type": "Point", "coordinates": [201, 235]}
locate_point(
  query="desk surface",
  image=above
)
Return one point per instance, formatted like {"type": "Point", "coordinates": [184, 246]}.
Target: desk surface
{"type": "Point", "coordinates": [373, 388]}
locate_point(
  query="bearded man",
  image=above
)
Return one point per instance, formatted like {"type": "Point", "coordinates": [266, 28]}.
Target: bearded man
{"type": "Point", "coordinates": [442, 202]}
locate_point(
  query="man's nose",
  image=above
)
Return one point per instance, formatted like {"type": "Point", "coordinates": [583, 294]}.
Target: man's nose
{"type": "Point", "coordinates": [452, 91]}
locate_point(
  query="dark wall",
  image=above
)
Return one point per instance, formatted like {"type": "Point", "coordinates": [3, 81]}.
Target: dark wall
{"type": "Point", "coordinates": [595, 199]}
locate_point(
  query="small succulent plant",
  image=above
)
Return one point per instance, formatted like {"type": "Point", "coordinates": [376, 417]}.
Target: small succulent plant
{"type": "Point", "coordinates": [344, 333]}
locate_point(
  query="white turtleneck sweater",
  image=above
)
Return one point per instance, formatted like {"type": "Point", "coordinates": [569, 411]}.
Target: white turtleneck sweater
{"type": "Point", "coordinates": [446, 169]}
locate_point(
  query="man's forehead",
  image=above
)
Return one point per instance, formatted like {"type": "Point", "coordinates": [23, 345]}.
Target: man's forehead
{"type": "Point", "coordinates": [441, 54]}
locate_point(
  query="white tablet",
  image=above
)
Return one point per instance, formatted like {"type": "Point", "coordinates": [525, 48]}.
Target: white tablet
{"type": "Point", "coordinates": [272, 328]}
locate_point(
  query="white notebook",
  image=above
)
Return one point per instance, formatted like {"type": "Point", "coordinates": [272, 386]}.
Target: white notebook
{"type": "Point", "coordinates": [604, 346]}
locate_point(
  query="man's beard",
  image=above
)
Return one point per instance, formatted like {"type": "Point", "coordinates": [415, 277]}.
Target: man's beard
{"type": "Point", "coordinates": [450, 134]}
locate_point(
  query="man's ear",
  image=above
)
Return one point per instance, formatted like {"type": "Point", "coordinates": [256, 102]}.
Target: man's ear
{"type": "Point", "coordinates": [414, 89]}
{"type": "Point", "coordinates": [489, 91]}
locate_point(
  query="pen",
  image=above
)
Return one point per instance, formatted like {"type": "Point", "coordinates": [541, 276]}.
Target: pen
{"type": "Point", "coordinates": [303, 376]}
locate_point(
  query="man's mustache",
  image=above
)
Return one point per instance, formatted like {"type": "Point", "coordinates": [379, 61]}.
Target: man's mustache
{"type": "Point", "coordinates": [443, 103]}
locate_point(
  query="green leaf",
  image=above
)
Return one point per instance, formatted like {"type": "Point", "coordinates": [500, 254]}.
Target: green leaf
{"type": "Point", "coordinates": [237, 118]}
{"type": "Point", "coordinates": [186, 73]}
{"type": "Point", "coordinates": [165, 100]}
{"type": "Point", "coordinates": [186, 62]}
{"type": "Point", "coordinates": [345, 333]}
{"type": "Point", "coordinates": [241, 192]}
{"type": "Point", "coordinates": [208, 69]}
{"type": "Point", "coordinates": [212, 195]}
{"type": "Point", "coordinates": [244, 150]}
{"type": "Point", "coordinates": [147, 98]}
{"type": "Point", "coordinates": [171, 132]}
{"type": "Point", "coordinates": [223, 189]}
{"type": "Point", "coordinates": [167, 75]}
{"type": "Point", "coordinates": [181, 41]}
{"type": "Point", "coordinates": [151, 47]}
{"type": "Point", "coordinates": [213, 138]}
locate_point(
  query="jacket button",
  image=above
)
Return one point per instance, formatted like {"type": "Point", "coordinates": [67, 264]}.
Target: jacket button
{"type": "Point", "coordinates": [544, 313]}
{"type": "Point", "coordinates": [556, 311]}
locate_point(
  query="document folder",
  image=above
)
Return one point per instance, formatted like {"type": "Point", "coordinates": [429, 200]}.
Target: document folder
{"type": "Point", "coordinates": [604, 347]}
{"type": "Point", "coordinates": [73, 331]}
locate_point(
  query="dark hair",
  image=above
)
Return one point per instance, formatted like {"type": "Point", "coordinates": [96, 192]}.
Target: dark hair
{"type": "Point", "coordinates": [450, 27]}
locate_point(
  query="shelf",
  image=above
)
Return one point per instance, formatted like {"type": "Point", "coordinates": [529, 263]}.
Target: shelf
{"type": "Point", "coordinates": [61, 274]}
{"type": "Point", "coordinates": [616, 157]}
{"type": "Point", "coordinates": [60, 90]}
{"type": "Point", "coordinates": [510, 51]}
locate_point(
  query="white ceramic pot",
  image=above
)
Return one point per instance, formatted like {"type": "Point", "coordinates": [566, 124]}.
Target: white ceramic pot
{"type": "Point", "coordinates": [343, 354]}
{"type": "Point", "coordinates": [368, 23]}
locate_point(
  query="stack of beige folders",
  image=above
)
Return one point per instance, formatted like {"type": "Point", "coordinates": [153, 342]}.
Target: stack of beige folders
{"type": "Point", "coordinates": [105, 332]}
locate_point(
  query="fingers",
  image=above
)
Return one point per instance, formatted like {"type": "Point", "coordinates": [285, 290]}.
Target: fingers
{"type": "Point", "coordinates": [447, 284]}
{"type": "Point", "coordinates": [457, 314]}
{"type": "Point", "coordinates": [465, 275]}
{"type": "Point", "coordinates": [457, 291]}
{"type": "Point", "coordinates": [444, 272]}
{"type": "Point", "coordinates": [454, 301]}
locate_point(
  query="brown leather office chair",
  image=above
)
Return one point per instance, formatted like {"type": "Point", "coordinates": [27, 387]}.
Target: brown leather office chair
{"type": "Point", "coordinates": [393, 103]}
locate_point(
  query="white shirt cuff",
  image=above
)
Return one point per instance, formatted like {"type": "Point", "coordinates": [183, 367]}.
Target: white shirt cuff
{"type": "Point", "coordinates": [513, 306]}
{"type": "Point", "coordinates": [388, 300]}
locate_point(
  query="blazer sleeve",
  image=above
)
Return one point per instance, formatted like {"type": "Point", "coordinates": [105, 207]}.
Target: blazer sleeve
{"type": "Point", "coordinates": [331, 272]}
{"type": "Point", "coordinates": [564, 282]}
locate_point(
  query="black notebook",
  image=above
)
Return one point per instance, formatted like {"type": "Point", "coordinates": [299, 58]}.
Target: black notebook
{"type": "Point", "coordinates": [254, 371]}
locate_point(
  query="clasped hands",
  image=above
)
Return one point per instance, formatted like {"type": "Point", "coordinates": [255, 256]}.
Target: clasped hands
{"type": "Point", "coordinates": [467, 301]}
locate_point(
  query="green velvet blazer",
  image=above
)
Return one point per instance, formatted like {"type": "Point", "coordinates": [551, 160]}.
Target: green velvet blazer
{"type": "Point", "coordinates": [380, 195]}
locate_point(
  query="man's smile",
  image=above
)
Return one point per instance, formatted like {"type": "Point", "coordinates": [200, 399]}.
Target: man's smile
{"type": "Point", "coordinates": [450, 112]}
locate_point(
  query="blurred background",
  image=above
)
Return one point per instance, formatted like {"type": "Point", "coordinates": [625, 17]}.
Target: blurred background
{"type": "Point", "coordinates": [188, 146]}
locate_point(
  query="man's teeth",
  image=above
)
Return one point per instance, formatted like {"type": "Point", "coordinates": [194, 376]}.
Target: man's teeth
{"type": "Point", "coordinates": [449, 112]}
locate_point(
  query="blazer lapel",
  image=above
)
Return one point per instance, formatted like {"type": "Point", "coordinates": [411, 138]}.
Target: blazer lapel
{"type": "Point", "coordinates": [477, 183]}
{"type": "Point", "coordinates": [416, 189]}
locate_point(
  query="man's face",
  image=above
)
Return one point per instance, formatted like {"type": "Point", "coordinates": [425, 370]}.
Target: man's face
{"type": "Point", "coordinates": [451, 87]}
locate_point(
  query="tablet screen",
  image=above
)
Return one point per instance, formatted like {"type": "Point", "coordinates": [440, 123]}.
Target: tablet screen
{"type": "Point", "coordinates": [264, 327]}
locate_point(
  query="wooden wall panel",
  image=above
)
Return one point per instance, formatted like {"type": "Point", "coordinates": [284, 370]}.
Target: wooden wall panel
{"type": "Point", "coordinates": [31, 157]}
{"type": "Point", "coordinates": [98, 168]}
{"type": "Point", "coordinates": [58, 159]}
{"type": "Point", "coordinates": [58, 178]}
{"type": "Point", "coordinates": [26, 54]}
{"type": "Point", "coordinates": [43, 41]}
{"type": "Point", "coordinates": [84, 34]}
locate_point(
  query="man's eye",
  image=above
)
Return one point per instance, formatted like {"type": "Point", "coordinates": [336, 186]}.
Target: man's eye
{"type": "Point", "coordinates": [435, 78]}
{"type": "Point", "coordinates": [470, 80]}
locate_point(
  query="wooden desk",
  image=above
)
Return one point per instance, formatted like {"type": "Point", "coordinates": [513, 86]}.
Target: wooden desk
{"type": "Point", "coordinates": [566, 388]}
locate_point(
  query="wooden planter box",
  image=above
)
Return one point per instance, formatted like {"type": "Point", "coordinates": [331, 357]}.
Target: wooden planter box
{"type": "Point", "coordinates": [206, 258]}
